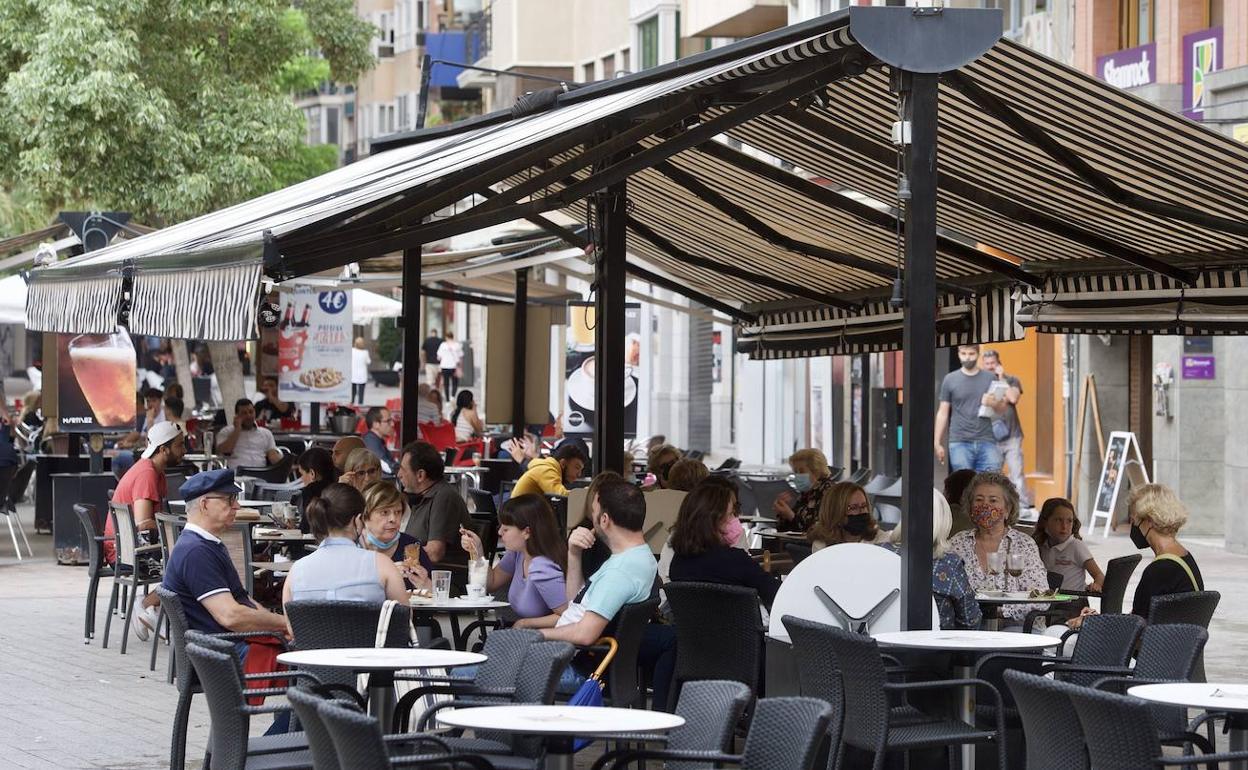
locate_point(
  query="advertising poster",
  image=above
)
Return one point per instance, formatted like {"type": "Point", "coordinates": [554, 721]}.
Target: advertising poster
{"type": "Point", "coordinates": [1202, 54]}
{"type": "Point", "coordinates": [96, 376]}
{"type": "Point", "coordinates": [581, 369]}
{"type": "Point", "coordinates": [314, 346]}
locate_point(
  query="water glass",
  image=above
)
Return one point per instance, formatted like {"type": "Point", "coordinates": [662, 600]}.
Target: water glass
{"type": "Point", "coordinates": [1014, 566]}
{"type": "Point", "coordinates": [441, 585]}
{"type": "Point", "coordinates": [995, 567]}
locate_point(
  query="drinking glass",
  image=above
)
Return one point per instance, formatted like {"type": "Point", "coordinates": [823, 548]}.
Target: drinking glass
{"type": "Point", "coordinates": [441, 585]}
{"type": "Point", "coordinates": [1014, 567]}
{"type": "Point", "coordinates": [994, 563]}
{"type": "Point", "coordinates": [103, 366]}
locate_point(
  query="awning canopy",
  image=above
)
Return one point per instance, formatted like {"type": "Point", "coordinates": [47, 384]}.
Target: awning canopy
{"type": "Point", "coordinates": [1044, 172]}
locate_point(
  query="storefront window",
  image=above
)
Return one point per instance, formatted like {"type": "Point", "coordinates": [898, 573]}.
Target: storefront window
{"type": "Point", "coordinates": [648, 40]}
{"type": "Point", "coordinates": [1135, 22]}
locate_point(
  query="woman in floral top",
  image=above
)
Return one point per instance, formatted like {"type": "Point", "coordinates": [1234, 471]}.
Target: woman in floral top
{"type": "Point", "coordinates": [992, 502]}
{"type": "Point", "coordinates": [952, 590]}
{"type": "Point", "coordinates": [798, 513]}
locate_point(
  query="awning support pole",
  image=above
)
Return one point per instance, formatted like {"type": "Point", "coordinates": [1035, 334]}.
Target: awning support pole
{"type": "Point", "coordinates": [919, 344]}
{"type": "Point", "coordinates": [609, 282]}
{"type": "Point", "coordinates": [519, 350]}
{"type": "Point", "coordinates": [410, 321]}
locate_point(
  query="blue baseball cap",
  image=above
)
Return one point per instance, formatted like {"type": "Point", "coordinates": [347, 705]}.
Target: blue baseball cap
{"type": "Point", "coordinates": [209, 481]}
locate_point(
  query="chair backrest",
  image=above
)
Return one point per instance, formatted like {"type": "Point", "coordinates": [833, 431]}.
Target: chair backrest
{"type": "Point", "coordinates": [221, 677]}
{"type": "Point", "coordinates": [441, 435]}
{"type": "Point", "coordinates": [277, 473]}
{"type": "Point", "coordinates": [766, 492]}
{"type": "Point", "coordinates": [89, 522]}
{"type": "Point", "coordinates": [237, 540]}
{"type": "Point", "coordinates": [1170, 651]}
{"type": "Point", "coordinates": [711, 710]}
{"type": "Point", "coordinates": [628, 629]}
{"type": "Point", "coordinates": [171, 603]}
{"type": "Point", "coordinates": [1053, 733]}
{"type": "Point", "coordinates": [127, 536]}
{"type": "Point", "coordinates": [746, 499]}
{"type": "Point", "coordinates": [265, 490]}
{"type": "Point", "coordinates": [483, 500]}
{"type": "Point", "coordinates": [504, 651]}
{"type": "Point", "coordinates": [856, 658]}
{"type": "Point", "coordinates": [785, 733]}
{"type": "Point", "coordinates": [1194, 607]}
{"type": "Point", "coordinates": [1118, 729]}
{"type": "Point", "coordinates": [1055, 580]}
{"type": "Point", "coordinates": [813, 649]}
{"type": "Point", "coordinates": [662, 508]}
{"type": "Point", "coordinates": [576, 506]}
{"type": "Point", "coordinates": [719, 633]}
{"type": "Point", "coordinates": [320, 624]}
{"type": "Point", "coordinates": [306, 706]}
{"type": "Point", "coordinates": [1104, 640]}
{"type": "Point", "coordinates": [797, 551]}
{"type": "Point", "coordinates": [1114, 587]}
{"type": "Point", "coordinates": [357, 737]}
{"type": "Point", "coordinates": [539, 674]}
{"type": "Point", "coordinates": [170, 527]}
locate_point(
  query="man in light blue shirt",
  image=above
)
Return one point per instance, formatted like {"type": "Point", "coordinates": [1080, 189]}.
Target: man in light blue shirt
{"type": "Point", "coordinates": [619, 516]}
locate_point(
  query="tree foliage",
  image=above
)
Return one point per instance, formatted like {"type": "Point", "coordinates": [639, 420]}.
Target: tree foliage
{"type": "Point", "coordinates": [165, 108]}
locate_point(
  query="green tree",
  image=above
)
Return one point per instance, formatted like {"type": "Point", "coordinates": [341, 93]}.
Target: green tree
{"type": "Point", "coordinates": [165, 108]}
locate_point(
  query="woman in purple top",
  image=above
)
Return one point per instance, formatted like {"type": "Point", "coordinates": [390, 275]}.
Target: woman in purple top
{"type": "Point", "coordinates": [534, 561]}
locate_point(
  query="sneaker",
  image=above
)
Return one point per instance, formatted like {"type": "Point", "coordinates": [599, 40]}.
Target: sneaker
{"type": "Point", "coordinates": [144, 623]}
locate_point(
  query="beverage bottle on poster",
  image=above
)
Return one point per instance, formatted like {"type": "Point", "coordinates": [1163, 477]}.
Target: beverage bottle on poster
{"type": "Point", "coordinates": [288, 317]}
{"type": "Point", "coordinates": [303, 318]}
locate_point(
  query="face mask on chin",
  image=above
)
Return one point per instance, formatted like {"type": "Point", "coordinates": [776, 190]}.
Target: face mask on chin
{"type": "Point", "coordinates": [969, 365]}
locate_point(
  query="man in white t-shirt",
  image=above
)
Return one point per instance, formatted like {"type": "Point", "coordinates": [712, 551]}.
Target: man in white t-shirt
{"type": "Point", "coordinates": [245, 443]}
{"type": "Point", "coordinates": [449, 356]}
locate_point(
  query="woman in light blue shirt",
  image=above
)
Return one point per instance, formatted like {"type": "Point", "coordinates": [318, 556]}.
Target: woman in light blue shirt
{"type": "Point", "coordinates": [339, 569]}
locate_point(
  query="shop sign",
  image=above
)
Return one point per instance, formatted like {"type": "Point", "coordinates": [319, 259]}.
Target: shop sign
{"type": "Point", "coordinates": [1202, 54]}
{"type": "Point", "coordinates": [1198, 367]}
{"type": "Point", "coordinates": [1132, 68]}
{"type": "Point", "coordinates": [314, 346]}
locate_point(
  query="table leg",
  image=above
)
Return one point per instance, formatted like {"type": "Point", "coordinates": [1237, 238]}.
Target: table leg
{"type": "Point", "coordinates": [457, 639]}
{"type": "Point", "coordinates": [966, 711]}
{"type": "Point", "coordinates": [1239, 738]}
{"type": "Point", "coordinates": [381, 697]}
{"type": "Point", "coordinates": [558, 753]}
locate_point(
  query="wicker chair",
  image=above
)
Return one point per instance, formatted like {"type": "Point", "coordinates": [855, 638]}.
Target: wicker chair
{"type": "Point", "coordinates": [1195, 608]}
{"type": "Point", "coordinates": [358, 742]}
{"type": "Point", "coordinates": [625, 688]}
{"type": "Point", "coordinates": [494, 679]}
{"type": "Point", "coordinates": [96, 566]}
{"type": "Point", "coordinates": [325, 624]}
{"type": "Point", "coordinates": [719, 634]}
{"type": "Point", "coordinates": [872, 725]}
{"type": "Point", "coordinates": [785, 734]}
{"type": "Point", "coordinates": [1121, 735]}
{"type": "Point", "coordinates": [813, 649]}
{"type": "Point", "coordinates": [127, 577]}
{"type": "Point", "coordinates": [1114, 587]}
{"type": "Point", "coordinates": [710, 710]}
{"type": "Point", "coordinates": [278, 473]}
{"type": "Point", "coordinates": [169, 527]}
{"type": "Point", "coordinates": [1054, 735]}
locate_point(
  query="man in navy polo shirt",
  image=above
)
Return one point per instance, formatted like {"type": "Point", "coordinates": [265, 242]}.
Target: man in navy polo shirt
{"type": "Point", "coordinates": [200, 570]}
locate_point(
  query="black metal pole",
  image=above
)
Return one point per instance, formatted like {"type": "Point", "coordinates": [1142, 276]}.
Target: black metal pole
{"type": "Point", "coordinates": [422, 100]}
{"type": "Point", "coordinates": [520, 350]}
{"type": "Point", "coordinates": [410, 322]}
{"type": "Point", "coordinates": [610, 280]}
{"type": "Point", "coordinates": [919, 344]}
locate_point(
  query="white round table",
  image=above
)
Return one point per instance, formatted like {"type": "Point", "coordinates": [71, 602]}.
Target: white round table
{"type": "Point", "coordinates": [1230, 699]}
{"type": "Point", "coordinates": [558, 725]}
{"type": "Point", "coordinates": [380, 663]}
{"type": "Point", "coordinates": [456, 607]}
{"type": "Point", "coordinates": [965, 642]}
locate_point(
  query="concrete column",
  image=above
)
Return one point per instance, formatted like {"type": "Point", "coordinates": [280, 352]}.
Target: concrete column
{"type": "Point", "coordinates": [1232, 379]}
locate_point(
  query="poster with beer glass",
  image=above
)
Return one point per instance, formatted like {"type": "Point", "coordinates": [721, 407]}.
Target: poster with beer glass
{"type": "Point", "coordinates": [314, 346]}
{"type": "Point", "coordinates": [96, 382]}
{"type": "Point", "coordinates": [581, 368]}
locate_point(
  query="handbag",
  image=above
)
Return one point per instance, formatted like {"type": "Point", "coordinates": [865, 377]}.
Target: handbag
{"type": "Point", "coordinates": [1000, 430]}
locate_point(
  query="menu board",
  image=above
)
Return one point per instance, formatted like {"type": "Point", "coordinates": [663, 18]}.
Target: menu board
{"type": "Point", "coordinates": [96, 384]}
{"type": "Point", "coordinates": [314, 346]}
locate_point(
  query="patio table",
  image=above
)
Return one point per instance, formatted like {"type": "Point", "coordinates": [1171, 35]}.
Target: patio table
{"type": "Point", "coordinates": [1229, 699]}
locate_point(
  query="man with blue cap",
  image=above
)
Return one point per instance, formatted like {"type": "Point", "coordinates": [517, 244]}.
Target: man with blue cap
{"type": "Point", "coordinates": [200, 570]}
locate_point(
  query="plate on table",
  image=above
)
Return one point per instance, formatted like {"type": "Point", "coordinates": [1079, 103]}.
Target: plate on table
{"type": "Point", "coordinates": [992, 594]}
{"type": "Point", "coordinates": [1017, 594]}
{"type": "Point", "coordinates": [473, 601]}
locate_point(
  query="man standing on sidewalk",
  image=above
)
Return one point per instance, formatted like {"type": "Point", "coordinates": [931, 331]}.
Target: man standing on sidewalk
{"type": "Point", "coordinates": [1006, 424]}
{"type": "Point", "coordinates": [429, 351]}
{"type": "Point", "coordinates": [962, 394]}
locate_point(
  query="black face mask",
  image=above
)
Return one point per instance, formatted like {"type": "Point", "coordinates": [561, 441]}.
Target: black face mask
{"type": "Point", "coordinates": [856, 526]}
{"type": "Point", "coordinates": [1137, 537]}
{"type": "Point", "coordinates": [969, 365]}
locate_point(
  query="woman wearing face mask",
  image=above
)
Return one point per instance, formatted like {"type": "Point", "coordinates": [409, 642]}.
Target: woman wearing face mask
{"type": "Point", "coordinates": [844, 517]}
{"type": "Point", "coordinates": [992, 502]}
{"type": "Point", "coordinates": [339, 569]}
{"type": "Point", "coordinates": [705, 537]}
{"type": "Point", "coordinates": [1157, 515]}
{"type": "Point", "coordinates": [534, 563]}
{"type": "Point", "coordinates": [384, 506]}
{"type": "Point", "coordinates": [812, 479]}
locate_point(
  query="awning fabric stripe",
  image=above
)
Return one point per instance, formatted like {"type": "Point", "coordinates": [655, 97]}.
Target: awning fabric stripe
{"type": "Point", "coordinates": [1139, 304]}
{"type": "Point", "coordinates": [166, 304]}
{"type": "Point", "coordinates": [876, 327]}
{"type": "Point", "coordinates": [73, 306]}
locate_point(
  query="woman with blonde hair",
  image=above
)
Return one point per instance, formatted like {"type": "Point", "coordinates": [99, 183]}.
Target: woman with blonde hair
{"type": "Point", "coordinates": [951, 588]}
{"type": "Point", "coordinates": [1157, 515]}
{"type": "Point", "coordinates": [844, 517]}
{"type": "Point", "coordinates": [361, 469]}
{"type": "Point", "coordinates": [812, 478]}
{"type": "Point", "coordinates": [659, 463]}
{"type": "Point", "coordinates": [384, 509]}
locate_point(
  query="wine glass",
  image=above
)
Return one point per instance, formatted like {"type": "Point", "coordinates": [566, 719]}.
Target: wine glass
{"type": "Point", "coordinates": [1014, 566]}
{"type": "Point", "coordinates": [994, 563]}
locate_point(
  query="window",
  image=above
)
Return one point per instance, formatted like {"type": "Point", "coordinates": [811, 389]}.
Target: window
{"type": "Point", "coordinates": [608, 67]}
{"type": "Point", "coordinates": [626, 60]}
{"type": "Point", "coordinates": [404, 105]}
{"type": "Point", "coordinates": [331, 125]}
{"type": "Point", "coordinates": [1135, 22]}
{"type": "Point", "coordinates": [648, 42]}
{"type": "Point", "coordinates": [385, 35]}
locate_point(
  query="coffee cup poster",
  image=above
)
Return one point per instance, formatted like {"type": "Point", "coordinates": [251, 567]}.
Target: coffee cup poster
{"type": "Point", "coordinates": [96, 382]}
{"type": "Point", "coordinates": [582, 369]}
{"type": "Point", "coordinates": [314, 346]}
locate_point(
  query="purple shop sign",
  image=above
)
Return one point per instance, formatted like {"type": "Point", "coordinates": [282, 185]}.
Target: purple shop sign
{"type": "Point", "coordinates": [1198, 367]}
{"type": "Point", "coordinates": [1131, 68]}
{"type": "Point", "coordinates": [1202, 54]}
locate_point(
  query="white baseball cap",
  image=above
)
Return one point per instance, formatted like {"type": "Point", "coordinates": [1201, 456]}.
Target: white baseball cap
{"type": "Point", "coordinates": [161, 433]}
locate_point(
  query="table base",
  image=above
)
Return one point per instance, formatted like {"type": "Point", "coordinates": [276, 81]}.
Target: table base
{"type": "Point", "coordinates": [1238, 738]}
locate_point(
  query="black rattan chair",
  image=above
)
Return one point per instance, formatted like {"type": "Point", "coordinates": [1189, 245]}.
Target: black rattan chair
{"type": "Point", "coordinates": [719, 634]}
{"type": "Point", "coordinates": [625, 687]}
{"type": "Point", "coordinates": [798, 551]}
{"type": "Point", "coordinates": [1054, 734]}
{"type": "Point", "coordinates": [1114, 587]}
{"type": "Point", "coordinates": [1195, 608]}
{"type": "Point", "coordinates": [323, 624]}
{"type": "Point", "coordinates": [96, 566]}
{"type": "Point", "coordinates": [277, 473]}
{"type": "Point", "coordinates": [1121, 735]}
{"type": "Point", "coordinates": [785, 734]}
{"type": "Point", "coordinates": [306, 705]}
{"type": "Point", "coordinates": [813, 649]}
{"type": "Point", "coordinates": [358, 742]}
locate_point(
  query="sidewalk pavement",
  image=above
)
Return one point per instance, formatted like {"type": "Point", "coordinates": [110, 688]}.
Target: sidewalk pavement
{"type": "Point", "coordinates": [70, 705]}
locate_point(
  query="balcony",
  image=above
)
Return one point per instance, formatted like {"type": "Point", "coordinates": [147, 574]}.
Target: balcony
{"type": "Point", "coordinates": [732, 18]}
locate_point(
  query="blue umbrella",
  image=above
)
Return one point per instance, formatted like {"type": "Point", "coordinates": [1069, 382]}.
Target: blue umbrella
{"type": "Point", "coordinates": [590, 691]}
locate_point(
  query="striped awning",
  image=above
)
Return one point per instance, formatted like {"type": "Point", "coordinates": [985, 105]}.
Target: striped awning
{"type": "Point", "coordinates": [1140, 304]}
{"type": "Point", "coordinates": [762, 176]}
